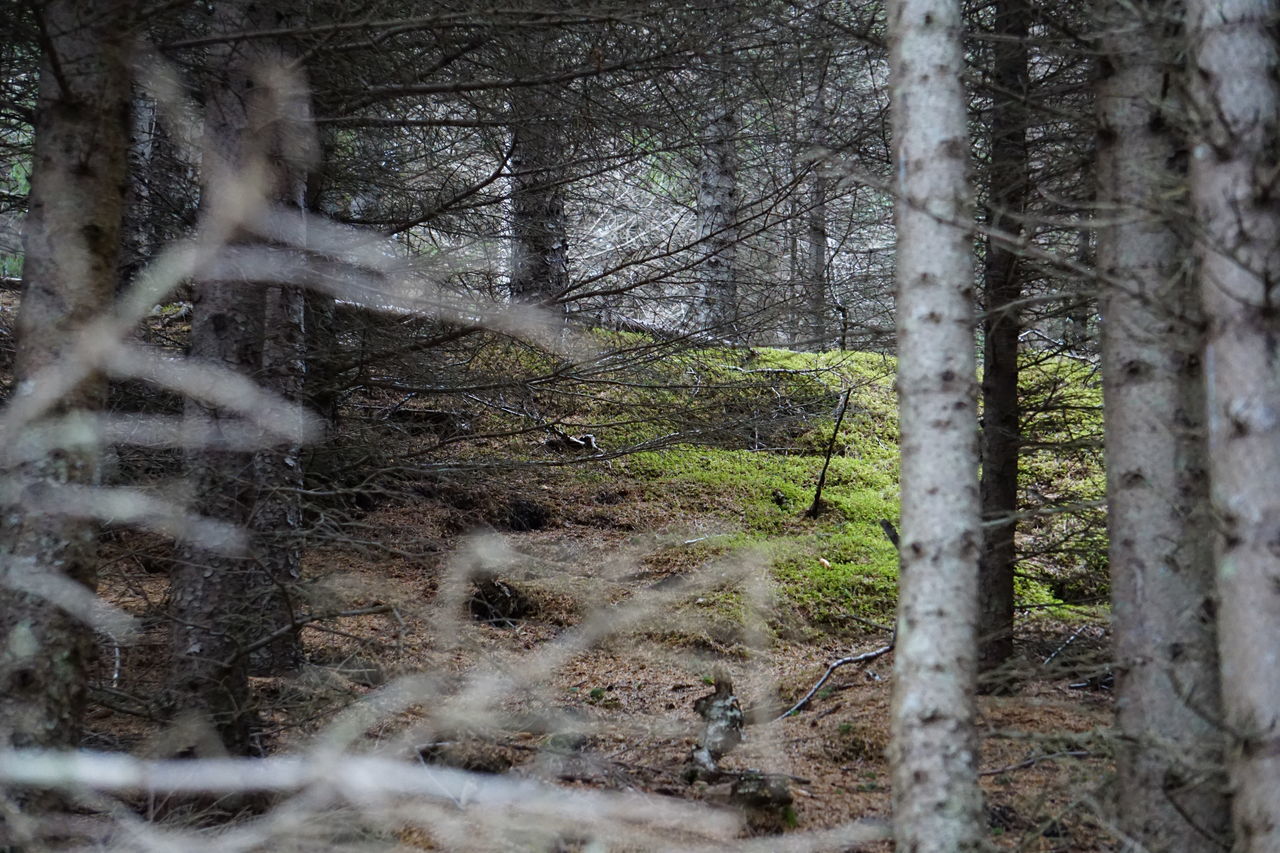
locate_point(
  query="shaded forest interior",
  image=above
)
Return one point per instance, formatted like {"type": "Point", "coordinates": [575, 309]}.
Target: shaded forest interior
{"type": "Point", "coordinates": [805, 425]}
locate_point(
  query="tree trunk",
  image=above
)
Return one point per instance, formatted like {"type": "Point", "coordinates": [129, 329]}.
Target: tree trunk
{"type": "Point", "coordinates": [718, 210]}
{"type": "Point", "coordinates": [797, 273]}
{"type": "Point", "coordinates": [1171, 794]}
{"type": "Point", "coordinates": [320, 386]}
{"type": "Point", "coordinates": [935, 792]}
{"type": "Point", "coordinates": [278, 475]}
{"type": "Point", "coordinates": [71, 247]}
{"type": "Point", "coordinates": [256, 118]}
{"type": "Point", "coordinates": [1234, 184]}
{"type": "Point", "coordinates": [540, 255]}
{"type": "Point", "coordinates": [1002, 288]}
{"type": "Point", "coordinates": [322, 381]}
{"type": "Point", "coordinates": [276, 520]}
{"type": "Point", "coordinates": [209, 590]}
{"type": "Point", "coordinates": [816, 220]}
{"type": "Point", "coordinates": [137, 243]}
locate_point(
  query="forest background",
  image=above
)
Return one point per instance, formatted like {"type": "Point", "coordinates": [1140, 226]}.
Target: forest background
{"type": "Point", "coordinates": [379, 380]}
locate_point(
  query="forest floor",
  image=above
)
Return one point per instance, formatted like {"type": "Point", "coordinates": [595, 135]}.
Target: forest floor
{"type": "Point", "coordinates": [612, 612]}
{"type": "Point", "coordinates": [486, 603]}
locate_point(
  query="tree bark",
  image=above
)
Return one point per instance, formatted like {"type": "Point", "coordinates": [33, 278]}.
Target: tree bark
{"type": "Point", "coordinates": [540, 255]}
{"type": "Point", "coordinates": [935, 792]}
{"type": "Point", "coordinates": [256, 120]}
{"type": "Point", "coordinates": [1171, 793]}
{"type": "Point", "coordinates": [322, 379]}
{"type": "Point", "coordinates": [1008, 182]}
{"type": "Point", "coordinates": [276, 521]}
{"type": "Point", "coordinates": [816, 218]}
{"type": "Point", "coordinates": [71, 247]}
{"type": "Point", "coordinates": [1235, 166]}
{"type": "Point", "coordinates": [209, 590]}
{"type": "Point", "coordinates": [718, 208]}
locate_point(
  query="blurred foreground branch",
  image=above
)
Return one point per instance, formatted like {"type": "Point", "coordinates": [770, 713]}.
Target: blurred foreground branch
{"type": "Point", "coordinates": [354, 779]}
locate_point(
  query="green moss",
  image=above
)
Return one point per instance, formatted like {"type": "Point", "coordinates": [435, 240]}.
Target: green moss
{"type": "Point", "coordinates": [640, 392]}
{"type": "Point", "coordinates": [766, 497]}
{"type": "Point", "coordinates": [738, 437]}
{"type": "Point", "coordinates": [770, 494]}
{"type": "Point", "coordinates": [859, 577]}
{"type": "Point", "coordinates": [1039, 599]}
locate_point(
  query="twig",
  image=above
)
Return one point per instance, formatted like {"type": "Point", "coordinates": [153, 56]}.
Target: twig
{"type": "Point", "coordinates": [890, 532]}
{"type": "Point", "coordinates": [816, 507]}
{"type": "Point", "coordinates": [357, 779]}
{"type": "Point", "coordinates": [99, 696]}
{"type": "Point", "coordinates": [1068, 642]}
{"type": "Point", "coordinates": [1036, 759]}
{"type": "Point", "coordinates": [1194, 822]}
{"type": "Point", "coordinates": [862, 658]}
{"type": "Point", "coordinates": [306, 622]}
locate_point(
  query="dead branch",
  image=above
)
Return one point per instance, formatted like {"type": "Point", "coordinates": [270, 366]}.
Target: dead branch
{"type": "Point", "coordinates": [1036, 759]}
{"type": "Point", "coordinates": [352, 778]}
{"type": "Point", "coordinates": [816, 507]}
{"type": "Point", "coordinates": [862, 658]}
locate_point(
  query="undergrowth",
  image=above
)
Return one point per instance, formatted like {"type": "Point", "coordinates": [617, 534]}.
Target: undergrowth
{"type": "Point", "coordinates": [838, 568]}
{"type": "Point", "coordinates": [736, 439]}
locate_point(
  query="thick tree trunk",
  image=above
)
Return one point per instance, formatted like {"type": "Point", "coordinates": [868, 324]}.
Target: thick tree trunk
{"type": "Point", "coordinates": [209, 590]}
{"type": "Point", "coordinates": [797, 223]}
{"type": "Point", "coordinates": [816, 279]}
{"type": "Point", "coordinates": [540, 254]}
{"type": "Point", "coordinates": [718, 211]}
{"type": "Point", "coordinates": [278, 474]}
{"type": "Point", "coordinates": [322, 380]}
{"type": "Point", "coordinates": [1002, 288]}
{"type": "Point", "coordinates": [71, 246]}
{"type": "Point", "coordinates": [1235, 179]}
{"type": "Point", "coordinates": [276, 520]}
{"type": "Point", "coordinates": [256, 119]}
{"type": "Point", "coordinates": [1171, 792]}
{"type": "Point", "coordinates": [935, 792]}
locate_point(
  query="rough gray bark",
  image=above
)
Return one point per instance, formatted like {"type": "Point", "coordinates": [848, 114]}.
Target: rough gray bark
{"type": "Point", "coordinates": [1008, 182]}
{"type": "Point", "coordinates": [209, 590]}
{"type": "Point", "coordinates": [222, 603]}
{"type": "Point", "coordinates": [71, 244]}
{"type": "Point", "coordinates": [276, 520]}
{"type": "Point", "coordinates": [540, 254]}
{"type": "Point", "coordinates": [797, 255]}
{"type": "Point", "coordinates": [935, 792]}
{"type": "Point", "coordinates": [1171, 793]}
{"type": "Point", "coordinates": [321, 382]}
{"type": "Point", "coordinates": [1235, 179]}
{"type": "Point", "coordinates": [718, 209]}
{"type": "Point", "coordinates": [816, 219]}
